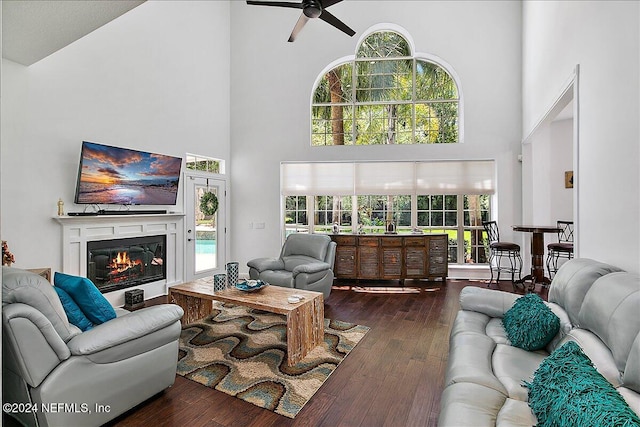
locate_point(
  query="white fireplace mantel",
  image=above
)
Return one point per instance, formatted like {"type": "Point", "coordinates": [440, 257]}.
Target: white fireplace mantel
{"type": "Point", "coordinates": [78, 230]}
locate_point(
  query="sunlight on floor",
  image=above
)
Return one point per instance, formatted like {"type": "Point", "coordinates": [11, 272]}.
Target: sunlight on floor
{"type": "Point", "coordinates": [387, 290]}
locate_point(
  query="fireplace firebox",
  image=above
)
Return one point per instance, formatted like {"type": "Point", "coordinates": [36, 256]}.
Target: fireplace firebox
{"type": "Point", "coordinates": [123, 263]}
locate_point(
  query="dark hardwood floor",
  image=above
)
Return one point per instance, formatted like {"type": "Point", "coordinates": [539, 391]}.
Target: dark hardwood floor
{"type": "Point", "coordinates": [393, 377]}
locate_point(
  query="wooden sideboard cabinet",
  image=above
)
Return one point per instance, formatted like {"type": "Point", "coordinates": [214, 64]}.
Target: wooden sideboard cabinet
{"type": "Point", "coordinates": [391, 256]}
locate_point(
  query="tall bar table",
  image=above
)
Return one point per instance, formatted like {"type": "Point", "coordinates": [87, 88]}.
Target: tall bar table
{"type": "Point", "coordinates": [537, 253]}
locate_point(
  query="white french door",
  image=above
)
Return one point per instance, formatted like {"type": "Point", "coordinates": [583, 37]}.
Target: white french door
{"type": "Point", "coordinates": [205, 234]}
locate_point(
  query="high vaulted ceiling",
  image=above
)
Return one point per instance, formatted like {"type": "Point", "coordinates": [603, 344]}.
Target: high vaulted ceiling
{"type": "Point", "coordinates": [34, 29]}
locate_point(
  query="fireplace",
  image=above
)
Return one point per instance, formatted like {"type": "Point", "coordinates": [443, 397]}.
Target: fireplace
{"type": "Point", "coordinates": [123, 263]}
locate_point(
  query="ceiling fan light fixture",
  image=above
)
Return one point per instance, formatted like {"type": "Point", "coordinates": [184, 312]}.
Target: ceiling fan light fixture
{"type": "Point", "coordinates": [310, 9]}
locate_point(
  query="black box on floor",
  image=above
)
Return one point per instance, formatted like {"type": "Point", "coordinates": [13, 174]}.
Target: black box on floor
{"type": "Point", "coordinates": [133, 299]}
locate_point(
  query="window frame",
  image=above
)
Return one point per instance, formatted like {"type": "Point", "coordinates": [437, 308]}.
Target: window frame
{"type": "Point", "coordinates": [353, 103]}
{"type": "Point", "coordinates": [459, 229]}
{"type": "Point", "coordinates": [200, 163]}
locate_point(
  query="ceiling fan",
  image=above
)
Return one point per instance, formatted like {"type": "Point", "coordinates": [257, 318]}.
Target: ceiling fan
{"type": "Point", "coordinates": [310, 9]}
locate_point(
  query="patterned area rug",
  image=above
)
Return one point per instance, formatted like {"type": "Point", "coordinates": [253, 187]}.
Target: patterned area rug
{"type": "Point", "coordinates": [242, 352]}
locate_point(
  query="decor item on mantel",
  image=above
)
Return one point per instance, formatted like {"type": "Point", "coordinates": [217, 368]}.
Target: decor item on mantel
{"type": "Point", "coordinates": [233, 269]}
{"type": "Point", "coordinates": [7, 257]}
{"type": "Point", "coordinates": [60, 207]}
{"type": "Point", "coordinates": [220, 349]}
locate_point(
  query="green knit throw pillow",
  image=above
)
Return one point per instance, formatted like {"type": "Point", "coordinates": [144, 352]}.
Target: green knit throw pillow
{"type": "Point", "coordinates": [530, 324]}
{"type": "Point", "coordinates": [568, 391]}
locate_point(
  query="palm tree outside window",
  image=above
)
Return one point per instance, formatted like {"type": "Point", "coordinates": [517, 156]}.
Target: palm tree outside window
{"type": "Point", "coordinates": [385, 95]}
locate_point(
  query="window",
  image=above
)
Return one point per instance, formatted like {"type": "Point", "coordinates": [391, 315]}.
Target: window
{"type": "Point", "coordinates": [385, 95]}
{"type": "Point", "coordinates": [451, 197]}
{"type": "Point", "coordinates": [330, 210]}
{"type": "Point", "coordinates": [476, 210]}
{"type": "Point", "coordinates": [295, 214]}
{"type": "Point", "coordinates": [204, 164]}
{"type": "Point", "coordinates": [461, 222]}
{"type": "Point", "coordinates": [376, 212]}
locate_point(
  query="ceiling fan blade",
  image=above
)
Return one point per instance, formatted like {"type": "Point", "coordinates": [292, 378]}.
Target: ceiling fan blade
{"type": "Point", "coordinates": [326, 3]}
{"type": "Point", "coordinates": [301, 21]}
{"type": "Point", "coordinates": [276, 3]}
{"type": "Point", "coordinates": [330, 19]}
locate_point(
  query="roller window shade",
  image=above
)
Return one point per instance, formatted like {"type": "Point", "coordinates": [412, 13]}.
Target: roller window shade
{"type": "Point", "coordinates": [385, 178]}
{"type": "Point", "coordinates": [456, 177]}
{"type": "Point", "coordinates": [317, 179]}
{"type": "Point", "coordinates": [388, 178]}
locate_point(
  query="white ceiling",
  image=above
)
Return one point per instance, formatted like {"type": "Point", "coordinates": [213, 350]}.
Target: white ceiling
{"type": "Point", "coordinates": [34, 29]}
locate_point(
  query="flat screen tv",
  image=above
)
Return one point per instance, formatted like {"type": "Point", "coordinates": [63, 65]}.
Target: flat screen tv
{"type": "Point", "coordinates": [114, 175]}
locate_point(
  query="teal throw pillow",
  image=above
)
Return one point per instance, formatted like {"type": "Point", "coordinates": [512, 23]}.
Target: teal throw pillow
{"type": "Point", "coordinates": [92, 303]}
{"type": "Point", "coordinates": [530, 324]}
{"type": "Point", "coordinates": [74, 314]}
{"type": "Point", "coordinates": [568, 391]}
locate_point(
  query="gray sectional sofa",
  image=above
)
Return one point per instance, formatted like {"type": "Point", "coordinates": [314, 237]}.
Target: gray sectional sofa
{"type": "Point", "coordinates": [598, 307]}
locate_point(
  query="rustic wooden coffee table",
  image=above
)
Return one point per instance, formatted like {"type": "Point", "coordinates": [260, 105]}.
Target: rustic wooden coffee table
{"type": "Point", "coordinates": [305, 319]}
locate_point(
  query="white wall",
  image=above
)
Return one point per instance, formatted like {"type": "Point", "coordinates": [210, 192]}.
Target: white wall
{"type": "Point", "coordinates": [548, 155]}
{"type": "Point", "coordinates": [560, 160]}
{"type": "Point", "coordinates": [603, 37]}
{"type": "Point", "coordinates": [272, 84]}
{"type": "Point", "coordinates": [156, 79]}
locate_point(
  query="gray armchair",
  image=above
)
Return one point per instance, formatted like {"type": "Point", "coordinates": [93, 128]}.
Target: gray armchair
{"type": "Point", "coordinates": [305, 262]}
{"type": "Point", "coordinates": [99, 374]}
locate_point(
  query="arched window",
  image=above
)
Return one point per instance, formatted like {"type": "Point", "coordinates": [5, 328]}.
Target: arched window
{"type": "Point", "coordinates": [386, 95]}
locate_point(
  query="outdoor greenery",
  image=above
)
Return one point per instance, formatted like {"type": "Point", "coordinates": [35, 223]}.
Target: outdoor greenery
{"type": "Point", "coordinates": [385, 96]}
{"type": "Point", "coordinates": [203, 164]}
{"type": "Point", "coordinates": [460, 217]}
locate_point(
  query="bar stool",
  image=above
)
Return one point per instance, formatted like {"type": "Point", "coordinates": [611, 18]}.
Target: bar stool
{"type": "Point", "coordinates": [500, 249]}
{"type": "Point", "coordinates": [562, 249]}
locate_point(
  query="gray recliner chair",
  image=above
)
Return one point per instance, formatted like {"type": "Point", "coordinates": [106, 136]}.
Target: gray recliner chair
{"type": "Point", "coordinates": [96, 375]}
{"type": "Point", "coordinates": [305, 262]}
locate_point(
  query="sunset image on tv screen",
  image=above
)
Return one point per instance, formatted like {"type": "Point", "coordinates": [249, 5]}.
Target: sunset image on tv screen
{"type": "Point", "coordinates": [113, 175]}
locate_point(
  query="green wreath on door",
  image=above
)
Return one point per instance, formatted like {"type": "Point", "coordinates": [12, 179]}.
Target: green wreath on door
{"type": "Point", "coordinates": [209, 203]}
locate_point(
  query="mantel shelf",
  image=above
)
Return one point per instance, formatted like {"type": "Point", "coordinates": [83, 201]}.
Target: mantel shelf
{"type": "Point", "coordinates": [66, 219]}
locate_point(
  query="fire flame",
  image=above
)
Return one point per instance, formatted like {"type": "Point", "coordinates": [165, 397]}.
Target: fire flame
{"type": "Point", "coordinates": [122, 262]}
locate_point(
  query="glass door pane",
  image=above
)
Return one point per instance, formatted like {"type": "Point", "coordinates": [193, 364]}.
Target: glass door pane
{"type": "Point", "coordinates": [206, 229]}
{"type": "Point", "coordinates": [205, 225]}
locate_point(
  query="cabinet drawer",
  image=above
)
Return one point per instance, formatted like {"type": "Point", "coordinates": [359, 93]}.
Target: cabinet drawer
{"type": "Point", "coordinates": [414, 241]}
{"type": "Point", "coordinates": [344, 240]}
{"type": "Point", "coordinates": [368, 241]}
{"type": "Point", "coordinates": [395, 242]}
